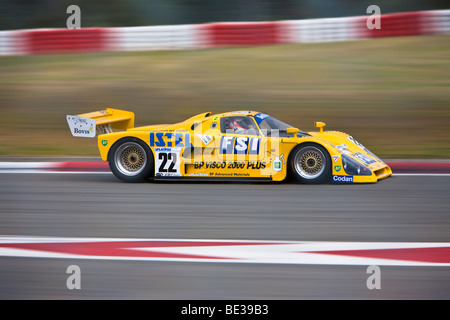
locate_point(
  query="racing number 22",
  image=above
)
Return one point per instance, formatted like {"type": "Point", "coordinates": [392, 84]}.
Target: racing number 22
{"type": "Point", "coordinates": [167, 157]}
{"type": "Point", "coordinates": [167, 162]}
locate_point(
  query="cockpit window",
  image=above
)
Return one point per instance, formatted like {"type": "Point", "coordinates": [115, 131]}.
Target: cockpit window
{"type": "Point", "coordinates": [238, 125]}
{"type": "Point", "coordinates": [270, 126]}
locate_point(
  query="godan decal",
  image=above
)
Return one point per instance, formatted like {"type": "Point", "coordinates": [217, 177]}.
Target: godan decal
{"type": "Point", "coordinates": [343, 179]}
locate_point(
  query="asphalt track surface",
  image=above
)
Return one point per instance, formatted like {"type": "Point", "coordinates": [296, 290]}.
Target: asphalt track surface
{"type": "Point", "coordinates": [399, 209]}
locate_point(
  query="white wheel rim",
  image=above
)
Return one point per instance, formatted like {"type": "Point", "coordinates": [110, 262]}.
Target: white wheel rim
{"type": "Point", "coordinates": [309, 162]}
{"type": "Point", "coordinates": [130, 158]}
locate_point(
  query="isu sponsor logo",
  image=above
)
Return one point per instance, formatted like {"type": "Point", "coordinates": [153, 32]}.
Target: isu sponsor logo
{"type": "Point", "coordinates": [343, 179]}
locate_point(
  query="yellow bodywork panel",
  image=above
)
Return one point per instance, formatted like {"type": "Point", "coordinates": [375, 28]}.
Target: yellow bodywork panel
{"type": "Point", "coordinates": [118, 119]}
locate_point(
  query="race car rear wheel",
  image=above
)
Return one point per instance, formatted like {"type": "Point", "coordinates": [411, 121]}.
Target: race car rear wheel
{"type": "Point", "coordinates": [310, 163]}
{"type": "Point", "coordinates": [131, 160]}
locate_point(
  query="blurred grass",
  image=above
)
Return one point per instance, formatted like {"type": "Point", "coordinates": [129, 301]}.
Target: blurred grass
{"type": "Point", "coordinates": [391, 94]}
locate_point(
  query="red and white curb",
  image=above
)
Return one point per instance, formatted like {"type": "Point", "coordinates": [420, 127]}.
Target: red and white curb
{"type": "Point", "coordinates": [230, 251]}
{"type": "Point", "coordinates": [416, 167]}
{"type": "Point", "coordinates": [224, 34]}
{"type": "Point", "coordinates": [54, 167]}
{"type": "Point", "coordinates": [399, 168]}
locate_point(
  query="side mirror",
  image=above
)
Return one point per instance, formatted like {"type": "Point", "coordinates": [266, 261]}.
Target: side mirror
{"type": "Point", "coordinates": [320, 125]}
{"type": "Point", "coordinates": [292, 130]}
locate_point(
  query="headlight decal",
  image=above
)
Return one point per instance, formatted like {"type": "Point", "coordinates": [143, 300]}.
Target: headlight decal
{"type": "Point", "coordinates": [353, 168]}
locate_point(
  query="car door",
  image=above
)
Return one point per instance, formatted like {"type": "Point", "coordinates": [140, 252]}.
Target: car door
{"type": "Point", "coordinates": [240, 144]}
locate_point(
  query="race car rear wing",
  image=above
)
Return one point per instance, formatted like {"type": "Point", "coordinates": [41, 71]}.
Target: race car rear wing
{"type": "Point", "coordinates": [89, 124]}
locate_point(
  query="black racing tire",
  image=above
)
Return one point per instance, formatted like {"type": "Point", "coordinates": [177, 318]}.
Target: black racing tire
{"type": "Point", "coordinates": [131, 160]}
{"type": "Point", "coordinates": [310, 163]}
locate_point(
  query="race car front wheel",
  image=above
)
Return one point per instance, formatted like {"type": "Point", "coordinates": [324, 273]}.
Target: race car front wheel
{"type": "Point", "coordinates": [310, 163]}
{"type": "Point", "coordinates": [131, 160]}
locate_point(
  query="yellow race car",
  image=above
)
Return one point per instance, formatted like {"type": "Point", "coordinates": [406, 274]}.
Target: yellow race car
{"type": "Point", "coordinates": [230, 145]}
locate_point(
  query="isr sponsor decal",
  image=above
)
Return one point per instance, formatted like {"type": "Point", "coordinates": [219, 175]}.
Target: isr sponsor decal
{"type": "Point", "coordinates": [169, 139]}
{"type": "Point", "coordinates": [343, 179]}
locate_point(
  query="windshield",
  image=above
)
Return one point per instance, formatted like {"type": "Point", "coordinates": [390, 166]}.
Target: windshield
{"type": "Point", "coordinates": [271, 126]}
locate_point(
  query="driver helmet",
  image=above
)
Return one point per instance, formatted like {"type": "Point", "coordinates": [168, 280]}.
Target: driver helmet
{"type": "Point", "coordinates": [239, 126]}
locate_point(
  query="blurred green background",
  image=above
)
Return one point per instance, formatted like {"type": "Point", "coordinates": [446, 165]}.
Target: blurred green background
{"type": "Point", "coordinates": [391, 94]}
